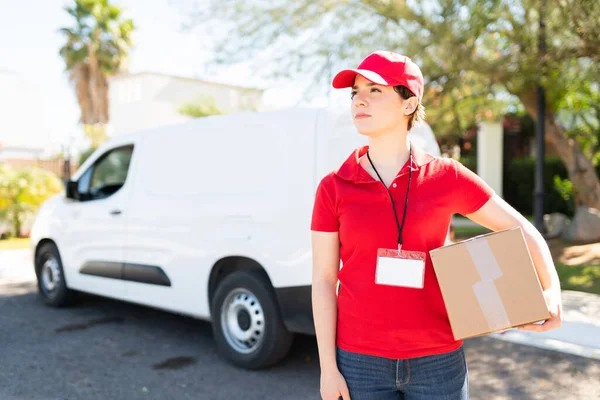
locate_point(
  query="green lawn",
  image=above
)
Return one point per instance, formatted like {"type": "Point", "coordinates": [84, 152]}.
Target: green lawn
{"type": "Point", "coordinates": [458, 216]}
{"type": "Point", "coordinates": [462, 233]}
{"type": "Point", "coordinates": [583, 278]}
{"type": "Point", "coordinates": [14, 244]}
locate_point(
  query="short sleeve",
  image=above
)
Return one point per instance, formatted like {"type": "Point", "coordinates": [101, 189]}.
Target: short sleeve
{"type": "Point", "coordinates": [324, 216]}
{"type": "Point", "coordinates": [470, 191]}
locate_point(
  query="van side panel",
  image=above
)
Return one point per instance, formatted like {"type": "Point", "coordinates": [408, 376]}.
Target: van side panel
{"type": "Point", "coordinates": [239, 185]}
{"type": "Point", "coordinates": [337, 137]}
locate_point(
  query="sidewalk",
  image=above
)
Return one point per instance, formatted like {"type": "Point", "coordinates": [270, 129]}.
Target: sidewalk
{"type": "Point", "coordinates": [16, 266]}
{"type": "Point", "coordinates": [579, 333]}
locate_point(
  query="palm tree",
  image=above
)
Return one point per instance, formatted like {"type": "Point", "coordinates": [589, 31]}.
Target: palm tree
{"type": "Point", "coordinates": [97, 47]}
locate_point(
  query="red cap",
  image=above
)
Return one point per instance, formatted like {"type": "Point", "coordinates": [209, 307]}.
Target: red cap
{"type": "Point", "coordinates": [384, 68]}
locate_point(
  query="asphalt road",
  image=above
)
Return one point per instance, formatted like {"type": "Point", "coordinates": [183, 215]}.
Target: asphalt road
{"type": "Point", "coordinates": [104, 349]}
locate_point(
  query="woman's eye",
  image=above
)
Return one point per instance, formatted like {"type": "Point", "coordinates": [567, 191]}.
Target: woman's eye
{"type": "Point", "coordinates": [352, 94]}
{"type": "Point", "coordinates": [372, 89]}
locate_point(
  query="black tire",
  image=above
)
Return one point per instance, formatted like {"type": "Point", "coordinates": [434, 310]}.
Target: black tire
{"type": "Point", "coordinates": [57, 294]}
{"type": "Point", "coordinates": [274, 341]}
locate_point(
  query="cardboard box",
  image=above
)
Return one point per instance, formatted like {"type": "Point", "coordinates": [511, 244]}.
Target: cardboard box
{"type": "Point", "coordinates": [489, 284]}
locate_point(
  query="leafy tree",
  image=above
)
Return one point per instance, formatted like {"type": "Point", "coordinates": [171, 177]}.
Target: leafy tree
{"type": "Point", "coordinates": [480, 57]}
{"type": "Point", "coordinates": [85, 155]}
{"type": "Point", "coordinates": [22, 192]}
{"type": "Point", "coordinates": [204, 106]}
{"type": "Point", "coordinates": [97, 46]}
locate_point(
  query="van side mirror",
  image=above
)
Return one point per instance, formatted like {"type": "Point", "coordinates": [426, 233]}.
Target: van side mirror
{"type": "Point", "coordinates": [72, 190]}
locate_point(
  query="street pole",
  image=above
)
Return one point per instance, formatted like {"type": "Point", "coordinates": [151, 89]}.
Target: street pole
{"type": "Point", "coordinates": [538, 206]}
{"type": "Point", "coordinates": [66, 167]}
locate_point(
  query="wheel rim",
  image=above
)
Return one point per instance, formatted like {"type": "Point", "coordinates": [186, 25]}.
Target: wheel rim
{"type": "Point", "coordinates": [242, 321]}
{"type": "Point", "coordinates": [50, 274]}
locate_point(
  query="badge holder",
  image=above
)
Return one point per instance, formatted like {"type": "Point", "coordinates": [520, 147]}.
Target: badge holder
{"type": "Point", "coordinates": [400, 268]}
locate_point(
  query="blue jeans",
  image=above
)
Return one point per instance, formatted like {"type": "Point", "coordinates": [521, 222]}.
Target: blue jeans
{"type": "Point", "coordinates": [439, 377]}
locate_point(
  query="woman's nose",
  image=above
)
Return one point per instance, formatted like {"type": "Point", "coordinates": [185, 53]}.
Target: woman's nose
{"type": "Point", "coordinates": [359, 100]}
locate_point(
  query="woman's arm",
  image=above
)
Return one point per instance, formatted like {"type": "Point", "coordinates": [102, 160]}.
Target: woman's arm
{"type": "Point", "coordinates": [326, 264]}
{"type": "Point", "coordinates": [497, 215]}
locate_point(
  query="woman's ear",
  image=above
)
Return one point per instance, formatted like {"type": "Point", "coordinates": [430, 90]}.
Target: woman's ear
{"type": "Point", "coordinates": [410, 105]}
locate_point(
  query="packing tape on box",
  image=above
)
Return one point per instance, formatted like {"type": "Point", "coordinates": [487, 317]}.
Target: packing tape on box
{"type": "Point", "coordinates": [485, 290]}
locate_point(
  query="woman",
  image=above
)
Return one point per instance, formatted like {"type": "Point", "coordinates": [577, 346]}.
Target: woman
{"type": "Point", "coordinates": [379, 341]}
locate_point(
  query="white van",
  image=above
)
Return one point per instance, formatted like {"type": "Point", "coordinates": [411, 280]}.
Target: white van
{"type": "Point", "coordinates": [210, 219]}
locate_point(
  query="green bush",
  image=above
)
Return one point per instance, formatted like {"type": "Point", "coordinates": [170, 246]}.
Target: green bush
{"type": "Point", "coordinates": [85, 155]}
{"type": "Point", "coordinates": [22, 191]}
{"type": "Point", "coordinates": [469, 162]}
{"type": "Point", "coordinates": [519, 184]}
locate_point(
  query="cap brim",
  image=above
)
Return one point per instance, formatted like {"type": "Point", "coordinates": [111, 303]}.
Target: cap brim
{"type": "Point", "coordinates": [345, 78]}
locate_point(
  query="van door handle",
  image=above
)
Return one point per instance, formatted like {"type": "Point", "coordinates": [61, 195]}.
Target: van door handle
{"type": "Point", "coordinates": [115, 212]}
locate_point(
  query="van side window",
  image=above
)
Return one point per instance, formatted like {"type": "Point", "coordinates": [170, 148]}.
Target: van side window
{"type": "Point", "coordinates": [107, 175]}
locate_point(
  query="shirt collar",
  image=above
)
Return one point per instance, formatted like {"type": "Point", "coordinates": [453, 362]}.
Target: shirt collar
{"type": "Point", "coordinates": [351, 169]}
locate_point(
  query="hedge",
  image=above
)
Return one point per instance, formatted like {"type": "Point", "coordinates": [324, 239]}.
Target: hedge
{"type": "Point", "coordinates": [519, 184]}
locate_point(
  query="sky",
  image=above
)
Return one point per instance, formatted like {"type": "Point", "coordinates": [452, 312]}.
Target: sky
{"type": "Point", "coordinates": [29, 44]}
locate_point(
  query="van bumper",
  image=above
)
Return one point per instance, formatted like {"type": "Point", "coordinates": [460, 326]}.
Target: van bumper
{"type": "Point", "coordinates": [295, 304]}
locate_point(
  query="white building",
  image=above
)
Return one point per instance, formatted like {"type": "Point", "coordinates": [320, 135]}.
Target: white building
{"type": "Point", "coordinates": [20, 152]}
{"type": "Point", "coordinates": [24, 132]}
{"type": "Point", "coordinates": [147, 100]}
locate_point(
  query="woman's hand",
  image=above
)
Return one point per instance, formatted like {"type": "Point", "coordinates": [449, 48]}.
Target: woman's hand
{"type": "Point", "coordinates": [333, 386]}
{"type": "Point", "coordinates": [554, 303]}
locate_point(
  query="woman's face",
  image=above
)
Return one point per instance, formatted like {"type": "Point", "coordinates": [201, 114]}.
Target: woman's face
{"type": "Point", "coordinates": [376, 109]}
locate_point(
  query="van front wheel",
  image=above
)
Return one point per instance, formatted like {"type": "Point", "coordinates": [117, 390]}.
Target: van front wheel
{"type": "Point", "coordinates": [246, 321]}
{"type": "Point", "coordinates": [52, 285]}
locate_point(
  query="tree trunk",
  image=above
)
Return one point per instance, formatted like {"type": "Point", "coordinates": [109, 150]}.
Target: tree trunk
{"type": "Point", "coordinates": [94, 71]}
{"type": "Point", "coordinates": [98, 83]}
{"type": "Point", "coordinates": [17, 224]}
{"type": "Point", "coordinates": [581, 170]}
{"type": "Point", "coordinates": [102, 96]}
{"type": "Point", "coordinates": [80, 75]}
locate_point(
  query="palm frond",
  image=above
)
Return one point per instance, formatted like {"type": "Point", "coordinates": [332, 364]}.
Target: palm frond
{"type": "Point", "coordinates": [96, 46]}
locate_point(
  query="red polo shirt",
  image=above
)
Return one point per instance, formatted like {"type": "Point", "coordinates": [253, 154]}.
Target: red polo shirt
{"type": "Point", "coordinates": [388, 321]}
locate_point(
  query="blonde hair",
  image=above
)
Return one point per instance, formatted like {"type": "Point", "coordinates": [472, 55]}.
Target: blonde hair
{"type": "Point", "coordinates": [419, 113]}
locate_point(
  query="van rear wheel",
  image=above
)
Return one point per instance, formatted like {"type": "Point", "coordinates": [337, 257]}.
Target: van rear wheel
{"type": "Point", "coordinates": [246, 321]}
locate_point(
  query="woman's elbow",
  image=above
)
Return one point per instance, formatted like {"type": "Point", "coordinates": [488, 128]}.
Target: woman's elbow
{"type": "Point", "coordinates": [320, 282]}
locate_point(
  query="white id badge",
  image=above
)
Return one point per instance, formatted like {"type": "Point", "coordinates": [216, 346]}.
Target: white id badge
{"type": "Point", "coordinates": [400, 268]}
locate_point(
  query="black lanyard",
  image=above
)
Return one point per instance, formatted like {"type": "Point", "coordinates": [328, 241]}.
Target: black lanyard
{"type": "Point", "coordinates": [400, 226]}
